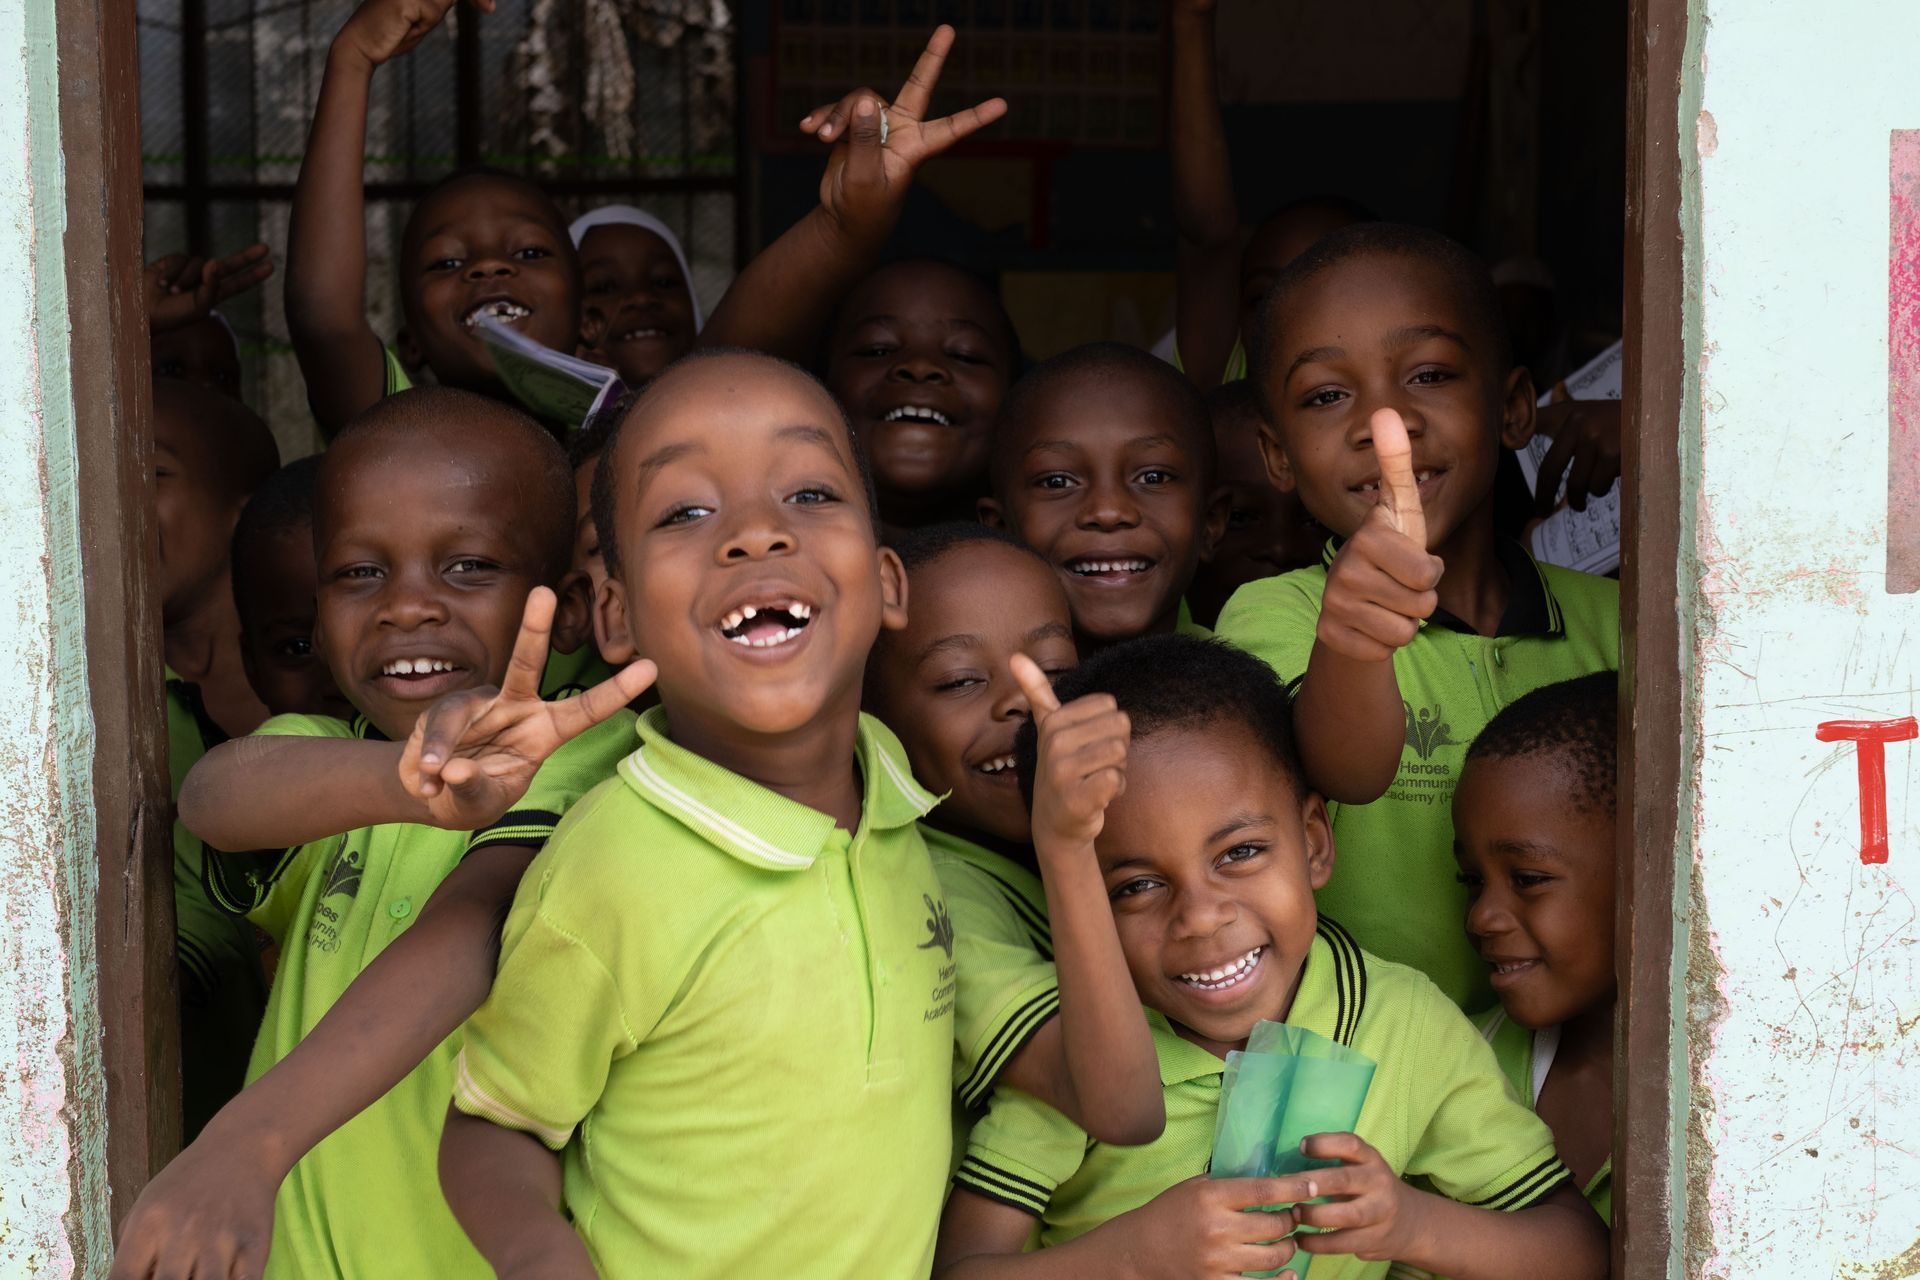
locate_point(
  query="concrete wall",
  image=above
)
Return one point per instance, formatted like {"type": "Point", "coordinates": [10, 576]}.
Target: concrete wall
{"type": "Point", "coordinates": [53, 1198]}
{"type": "Point", "coordinates": [1801, 1000]}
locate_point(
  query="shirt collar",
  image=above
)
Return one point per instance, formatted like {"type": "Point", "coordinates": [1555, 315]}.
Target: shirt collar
{"type": "Point", "coordinates": [754, 823]}
{"type": "Point", "coordinates": [1532, 608]}
{"type": "Point", "coordinates": [1330, 1001]}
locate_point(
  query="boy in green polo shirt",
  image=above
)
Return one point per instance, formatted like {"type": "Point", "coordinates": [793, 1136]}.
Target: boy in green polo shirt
{"type": "Point", "coordinates": [726, 989]}
{"type": "Point", "coordinates": [1390, 388]}
{"type": "Point", "coordinates": [439, 520]}
{"type": "Point", "coordinates": [950, 685]}
{"type": "Point", "coordinates": [1535, 821]}
{"type": "Point", "coordinates": [1211, 856]}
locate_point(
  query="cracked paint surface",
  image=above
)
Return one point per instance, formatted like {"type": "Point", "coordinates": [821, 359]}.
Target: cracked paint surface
{"type": "Point", "coordinates": [1802, 1004]}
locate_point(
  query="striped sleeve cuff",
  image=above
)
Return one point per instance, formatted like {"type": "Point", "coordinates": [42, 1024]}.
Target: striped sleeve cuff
{"type": "Point", "coordinates": [522, 826]}
{"type": "Point", "coordinates": [1005, 1182]}
{"type": "Point", "coordinates": [239, 882]}
{"type": "Point", "coordinates": [1529, 1189]}
{"type": "Point", "coordinates": [475, 1098]}
{"type": "Point", "coordinates": [1019, 1025]}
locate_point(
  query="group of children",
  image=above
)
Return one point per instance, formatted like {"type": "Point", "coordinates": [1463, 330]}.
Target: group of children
{"type": "Point", "coordinates": [842, 823]}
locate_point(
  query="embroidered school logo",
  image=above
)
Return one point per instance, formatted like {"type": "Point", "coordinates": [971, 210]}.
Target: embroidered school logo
{"type": "Point", "coordinates": [939, 927]}
{"type": "Point", "coordinates": [343, 876]}
{"type": "Point", "coordinates": [1426, 731]}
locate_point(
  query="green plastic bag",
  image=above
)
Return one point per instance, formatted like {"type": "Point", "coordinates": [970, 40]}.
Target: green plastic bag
{"type": "Point", "coordinates": [1287, 1085]}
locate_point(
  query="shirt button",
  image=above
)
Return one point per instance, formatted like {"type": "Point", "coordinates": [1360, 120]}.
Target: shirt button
{"type": "Point", "coordinates": [400, 908]}
{"type": "Point", "coordinates": [1499, 658]}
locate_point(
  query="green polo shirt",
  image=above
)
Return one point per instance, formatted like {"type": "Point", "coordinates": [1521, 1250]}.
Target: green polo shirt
{"type": "Point", "coordinates": [1438, 1108]}
{"type": "Point", "coordinates": [222, 986]}
{"type": "Point", "coordinates": [1394, 883]}
{"type": "Point", "coordinates": [567, 675]}
{"type": "Point", "coordinates": [735, 1019]}
{"type": "Point", "coordinates": [366, 1201]}
{"type": "Point", "coordinates": [1513, 1048]}
{"type": "Point", "coordinates": [1004, 947]}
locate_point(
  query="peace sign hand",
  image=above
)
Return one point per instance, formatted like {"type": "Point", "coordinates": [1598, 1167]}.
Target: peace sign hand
{"type": "Point", "coordinates": [867, 175]}
{"type": "Point", "coordinates": [1382, 583]}
{"type": "Point", "coordinates": [1081, 766]}
{"type": "Point", "coordinates": [472, 754]}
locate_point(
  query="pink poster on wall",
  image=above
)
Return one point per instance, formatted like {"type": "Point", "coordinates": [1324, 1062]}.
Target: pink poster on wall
{"type": "Point", "coordinates": [1903, 367]}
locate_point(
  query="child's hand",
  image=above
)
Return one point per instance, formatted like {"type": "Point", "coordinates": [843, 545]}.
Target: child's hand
{"type": "Point", "coordinates": [1382, 582]}
{"type": "Point", "coordinates": [182, 289]}
{"type": "Point", "coordinates": [1372, 1214]}
{"type": "Point", "coordinates": [1201, 1228]}
{"type": "Point", "coordinates": [472, 754]}
{"type": "Point", "coordinates": [1585, 451]}
{"type": "Point", "coordinates": [866, 179]}
{"type": "Point", "coordinates": [208, 1213]}
{"type": "Point", "coordinates": [1082, 764]}
{"type": "Point", "coordinates": [381, 30]}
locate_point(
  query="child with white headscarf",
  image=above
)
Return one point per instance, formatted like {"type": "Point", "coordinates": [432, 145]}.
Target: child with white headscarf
{"type": "Point", "coordinates": [639, 312]}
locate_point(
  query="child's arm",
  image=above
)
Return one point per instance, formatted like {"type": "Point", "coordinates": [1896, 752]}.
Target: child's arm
{"type": "Point", "coordinates": [1195, 1230]}
{"type": "Point", "coordinates": [181, 290]}
{"type": "Point", "coordinates": [339, 353]}
{"type": "Point", "coordinates": [1207, 256]}
{"type": "Point", "coordinates": [504, 1189]}
{"type": "Point", "coordinates": [1372, 1214]}
{"type": "Point", "coordinates": [469, 758]}
{"type": "Point", "coordinates": [210, 1212]}
{"type": "Point", "coordinates": [784, 297]}
{"type": "Point", "coordinates": [1348, 717]}
{"type": "Point", "coordinates": [1095, 1061]}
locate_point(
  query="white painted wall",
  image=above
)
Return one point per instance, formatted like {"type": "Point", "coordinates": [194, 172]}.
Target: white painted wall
{"type": "Point", "coordinates": [1803, 992]}
{"type": "Point", "coordinates": [53, 1201]}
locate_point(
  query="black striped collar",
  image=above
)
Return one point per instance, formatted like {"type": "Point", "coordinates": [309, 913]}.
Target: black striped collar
{"type": "Point", "coordinates": [1532, 609]}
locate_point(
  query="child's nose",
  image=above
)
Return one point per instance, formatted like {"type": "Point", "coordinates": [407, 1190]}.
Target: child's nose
{"type": "Point", "coordinates": [1489, 914]}
{"type": "Point", "coordinates": [1202, 913]}
{"type": "Point", "coordinates": [485, 268]}
{"type": "Point", "coordinates": [1109, 505]}
{"type": "Point", "coordinates": [919, 367]}
{"type": "Point", "coordinates": [756, 534]}
{"type": "Point", "coordinates": [408, 604]}
{"type": "Point", "coordinates": [1011, 704]}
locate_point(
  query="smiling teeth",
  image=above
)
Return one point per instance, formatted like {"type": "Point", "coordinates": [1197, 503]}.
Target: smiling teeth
{"type": "Point", "coordinates": [1088, 567]}
{"type": "Point", "coordinates": [999, 764]}
{"type": "Point", "coordinates": [767, 642]}
{"type": "Point", "coordinates": [1512, 966]}
{"type": "Point", "coordinates": [1419, 477]}
{"type": "Point", "coordinates": [415, 667]}
{"type": "Point", "coordinates": [1226, 975]}
{"type": "Point", "coordinates": [634, 335]}
{"type": "Point", "coordinates": [500, 309]}
{"type": "Point", "coordinates": [747, 613]}
{"type": "Point", "coordinates": [918, 412]}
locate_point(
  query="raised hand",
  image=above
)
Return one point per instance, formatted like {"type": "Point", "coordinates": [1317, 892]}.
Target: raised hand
{"type": "Point", "coordinates": [473, 753]}
{"type": "Point", "coordinates": [1082, 761]}
{"type": "Point", "coordinates": [381, 30]}
{"type": "Point", "coordinates": [1382, 583]}
{"type": "Point", "coordinates": [182, 289]}
{"type": "Point", "coordinates": [867, 178]}
{"type": "Point", "coordinates": [1585, 451]}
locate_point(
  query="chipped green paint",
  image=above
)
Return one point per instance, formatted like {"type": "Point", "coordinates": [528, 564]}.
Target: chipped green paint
{"type": "Point", "coordinates": [53, 1210]}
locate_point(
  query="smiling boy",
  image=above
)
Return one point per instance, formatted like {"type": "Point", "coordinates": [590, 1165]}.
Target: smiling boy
{"type": "Point", "coordinates": [1211, 856]}
{"type": "Point", "coordinates": [1390, 388]}
{"type": "Point", "coordinates": [726, 987]}
{"type": "Point", "coordinates": [439, 520]}
{"type": "Point", "coordinates": [1103, 462]}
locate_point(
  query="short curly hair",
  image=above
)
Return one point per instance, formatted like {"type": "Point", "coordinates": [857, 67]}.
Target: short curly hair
{"type": "Point", "coordinates": [1577, 720]}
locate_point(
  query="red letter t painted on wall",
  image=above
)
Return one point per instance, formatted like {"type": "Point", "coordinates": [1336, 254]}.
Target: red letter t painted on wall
{"type": "Point", "coordinates": [1870, 739]}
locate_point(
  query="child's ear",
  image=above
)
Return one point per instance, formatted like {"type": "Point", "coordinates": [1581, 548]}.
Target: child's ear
{"type": "Point", "coordinates": [1279, 470]}
{"type": "Point", "coordinates": [611, 630]}
{"type": "Point", "coordinates": [1518, 411]}
{"type": "Point", "coordinates": [988, 509]}
{"type": "Point", "coordinates": [1317, 828]}
{"type": "Point", "coordinates": [573, 614]}
{"type": "Point", "coordinates": [1213, 521]}
{"type": "Point", "coordinates": [893, 591]}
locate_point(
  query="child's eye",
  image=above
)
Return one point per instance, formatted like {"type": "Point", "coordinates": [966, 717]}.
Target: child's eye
{"type": "Point", "coordinates": [295, 647]}
{"type": "Point", "coordinates": [1322, 398]}
{"type": "Point", "coordinates": [685, 514]}
{"type": "Point", "coordinates": [444, 264]}
{"type": "Point", "coordinates": [874, 350]}
{"type": "Point", "coordinates": [1529, 879]}
{"type": "Point", "coordinates": [1471, 881]}
{"type": "Point", "coordinates": [957, 682]}
{"type": "Point", "coordinates": [1157, 475]}
{"type": "Point", "coordinates": [1242, 853]}
{"type": "Point", "coordinates": [470, 564]}
{"type": "Point", "coordinates": [533, 251]}
{"type": "Point", "coordinates": [813, 496]}
{"type": "Point", "coordinates": [667, 282]}
{"type": "Point", "coordinates": [1130, 888]}
{"type": "Point", "coordinates": [1431, 377]}
{"type": "Point", "coordinates": [1242, 518]}
{"type": "Point", "coordinates": [1053, 480]}
{"type": "Point", "coordinates": [601, 288]}
{"type": "Point", "coordinates": [359, 571]}
{"type": "Point", "coordinates": [968, 357]}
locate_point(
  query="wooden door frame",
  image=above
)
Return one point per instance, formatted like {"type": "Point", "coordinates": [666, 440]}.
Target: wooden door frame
{"type": "Point", "coordinates": [112, 403]}
{"type": "Point", "coordinates": [1645, 1213]}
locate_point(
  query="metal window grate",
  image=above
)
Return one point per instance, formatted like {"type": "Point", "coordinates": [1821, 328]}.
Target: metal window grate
{"type": "Point", "coordinates": [599, 100]}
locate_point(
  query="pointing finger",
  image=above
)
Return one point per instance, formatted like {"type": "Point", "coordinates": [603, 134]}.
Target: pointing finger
{"type": "Point", "coordinates": [918, 90]}
{"type": "Point", "coordinates": [1398, 489]}
{"type": "Point", "coordinates": [1034, 683]}
{"type": "Point", "coordinates": [529, 659]}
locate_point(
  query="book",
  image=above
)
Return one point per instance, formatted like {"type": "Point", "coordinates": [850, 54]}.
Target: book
{"type": "Point", "coordinates": [554, 386]}
{"type": "Point", "coordinates": [1589, 540]}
